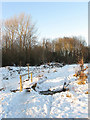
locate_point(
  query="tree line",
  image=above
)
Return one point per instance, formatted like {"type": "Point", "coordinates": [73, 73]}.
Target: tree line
{"type": "Point", "coordinates": [20, 45]}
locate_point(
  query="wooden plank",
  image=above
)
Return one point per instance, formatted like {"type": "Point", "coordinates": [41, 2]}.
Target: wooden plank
{"type": "Point", "coordinates": [26, 74]}
{"type": "Point", "coordinates": [31, 84]}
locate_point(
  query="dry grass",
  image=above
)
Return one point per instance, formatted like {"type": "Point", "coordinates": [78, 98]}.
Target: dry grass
{"type": "Point", "coordinates": [86, 92]}
{"type": "Point", "coordinates": [62, 95]}
{"type": "Point", "coordinates": [68, 95]}
{"type": "Point", "coordinates": [81, 82]}
{"type": "Point", "coordinates": [54, 71]}
{"type": "Point", "coordinates": [40, 76]}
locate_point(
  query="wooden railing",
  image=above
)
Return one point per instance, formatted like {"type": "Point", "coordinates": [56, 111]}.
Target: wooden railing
{"type": "Point", "coordinates": [29, 73]}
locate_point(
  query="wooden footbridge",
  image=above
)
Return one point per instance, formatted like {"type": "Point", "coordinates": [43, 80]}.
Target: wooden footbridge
{"type": "Point", "coordinates": [29, 78]}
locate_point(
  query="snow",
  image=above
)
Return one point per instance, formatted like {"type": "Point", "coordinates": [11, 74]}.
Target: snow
{"type": "Point", "coordinates": [69, 104]}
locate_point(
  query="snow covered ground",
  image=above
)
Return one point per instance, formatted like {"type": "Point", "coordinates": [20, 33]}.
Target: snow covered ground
{"type": "Point", "coordinates": [69, 104]}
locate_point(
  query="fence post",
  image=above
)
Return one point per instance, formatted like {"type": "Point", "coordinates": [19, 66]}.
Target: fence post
{"type": "Point", "coordinates": [28, 71]}
{"type": "Point", "coordinates": [20, 83]}
{"type": "Point", "coordinates": [31, 77]}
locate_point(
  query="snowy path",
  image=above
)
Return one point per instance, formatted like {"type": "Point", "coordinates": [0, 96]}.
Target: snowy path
{"type": "Point", "coordinates": [34, 105]}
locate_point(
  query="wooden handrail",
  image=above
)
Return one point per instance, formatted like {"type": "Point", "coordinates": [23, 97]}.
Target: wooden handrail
{"type": "Point", "coordinates": [26, 74]}
{"type": "Point", "coordinates": [21, 85]}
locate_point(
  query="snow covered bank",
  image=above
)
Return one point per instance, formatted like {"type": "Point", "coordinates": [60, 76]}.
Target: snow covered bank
{"type": "Point", "coordinates": [69, 104]}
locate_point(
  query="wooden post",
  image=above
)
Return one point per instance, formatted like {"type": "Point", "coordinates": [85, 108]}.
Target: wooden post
{"type": "Point", "coordinates": [20, 83]}
{"type": "Point", "coordinates": [28, 71]}
{"type": "Point", "coordinates": [31, 77]}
